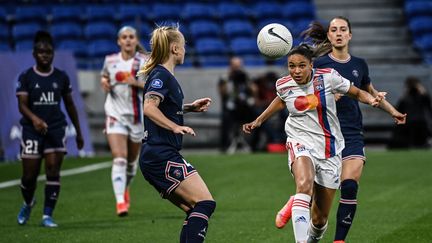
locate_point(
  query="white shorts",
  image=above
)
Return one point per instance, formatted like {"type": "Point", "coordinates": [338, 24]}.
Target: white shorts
{"type": "Point", "coordinates": [327, 171]}
{"type": "Point", "coordinates": [135, 131]}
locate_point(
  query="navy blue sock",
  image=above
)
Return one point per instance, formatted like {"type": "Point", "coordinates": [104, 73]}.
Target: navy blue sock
{"type": "Point", "coordinates": [183, 233]}
{"type": "Point", "coordinates": [198, 221]}
{"type": "Point", "coordinates": [28, 188]}
{"type": "Point", "coordinates": [52, 190]}
{"type": "Point", "coordinates": [347, 208]}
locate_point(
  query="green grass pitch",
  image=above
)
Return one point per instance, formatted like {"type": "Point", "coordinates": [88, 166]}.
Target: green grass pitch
{"type": "Point", "coordinates": [395, 203]}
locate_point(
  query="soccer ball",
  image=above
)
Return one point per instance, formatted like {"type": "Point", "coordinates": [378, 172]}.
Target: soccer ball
{"type": "Point", "coordinates": [274, 41]}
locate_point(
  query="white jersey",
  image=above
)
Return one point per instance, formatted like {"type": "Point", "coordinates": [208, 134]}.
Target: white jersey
{"type": "Point", "coordinates": [312, 119]}
{"type": "Point", "coordinates": [123, 100]}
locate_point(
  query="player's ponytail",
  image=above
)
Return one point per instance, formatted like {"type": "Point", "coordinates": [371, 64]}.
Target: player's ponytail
{"type": "Point", "coordinates": [160, 42]}
{"type": "Point", "coordinates": [317, 34]}
{"type": "Point", "coordinates": [43, 36]}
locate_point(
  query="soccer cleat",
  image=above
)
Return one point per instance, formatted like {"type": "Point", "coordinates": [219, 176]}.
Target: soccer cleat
{"type": "Point", "coordinates": [122, 209]}
{"type": "Point", "coordinates": [24, 213]}
{"type": "Point", "coordinates": [339, 241]}
{"type": "Point", "coordinates": [127, 197]}
{"type": "Point", "coordinates": [47, 221]}
{"type": "Point", "coordinates": [284, 215]}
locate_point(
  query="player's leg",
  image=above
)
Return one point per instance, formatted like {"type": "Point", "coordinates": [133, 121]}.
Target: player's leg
{"type": "Point", "coordinates": [321, 205]}
{"type": "Point", "coordinates": [118, 145]}
{"type": "Point", "coordinates": [53, 162]}
{"type": "Point", "coordinates": [183, 205]}
{"type": "Point", "coordinates": [133, 150]}
{"type": "Point", "coordinates": [304, 172]}
{"type": "Point", "coordinates": [351, 173]}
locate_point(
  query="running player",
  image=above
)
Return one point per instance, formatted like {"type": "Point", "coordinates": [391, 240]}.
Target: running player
{"type": "Point", "coordinates": [314, 138]}
{"type": "Point", "coordinates": [333, 44]}
{"type": "Point", "coordinates": [160, 161]}
{"type": "Point", "coordinates": [123, 126]}
{"type": "Point", "coordinates": [40, 90]}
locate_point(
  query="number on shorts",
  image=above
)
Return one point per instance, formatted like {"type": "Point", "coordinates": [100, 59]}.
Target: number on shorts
{"type": "Point", "coordinates": [31, 147]}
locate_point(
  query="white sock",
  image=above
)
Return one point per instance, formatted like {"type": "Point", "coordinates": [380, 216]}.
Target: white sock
{"type": "Point", "coordinates": [131, 171]}
{"type": "Point", "coordinates": [316, 234]}
{"type": "Point", "coordinates": [118, 177]}
{"type": "Point", "coordinates": [301, 216]}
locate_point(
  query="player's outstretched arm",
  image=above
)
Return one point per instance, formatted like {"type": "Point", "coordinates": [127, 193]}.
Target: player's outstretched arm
{"type": "Point", "coordinates": [398, 117]}
{"type": "Point", "coordinates": [276, 105]}
{"type": "Point", "coordinates": [199, 105]}
{"type": "Point", "coordinates": [73, 115]}
{"type": "Point", "coordinates": [152, 111]}
{"type": "Point", "coordinates": [365, 97]}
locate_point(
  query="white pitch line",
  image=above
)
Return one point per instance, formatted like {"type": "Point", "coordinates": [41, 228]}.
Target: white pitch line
{"type": "Point", "coordinates": [63, 173]}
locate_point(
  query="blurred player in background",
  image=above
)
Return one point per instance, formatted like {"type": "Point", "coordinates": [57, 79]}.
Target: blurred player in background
{"type": "Point", "coordinates": [40, 90]}
{"type": "Point", "coordinates": [314, 138]}
{"type": "Point", "coordinates": [123, 109]}
{"type": "Point", "coordinates": [333, 45]}
{"type": "Point", "coordinates": [160, 161]}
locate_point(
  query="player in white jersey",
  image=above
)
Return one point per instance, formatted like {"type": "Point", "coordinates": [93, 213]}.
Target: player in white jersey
{"type": "Point", "coordinates": [123, 109]}
{"type": "Point", "coordinates": [314, 138]}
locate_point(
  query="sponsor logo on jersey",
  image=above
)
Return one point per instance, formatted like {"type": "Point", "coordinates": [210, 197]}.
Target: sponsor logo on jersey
{"type": "Point", "coordinates": [46, 98]}
{"type": "Point", "coordinates": [156, 83]}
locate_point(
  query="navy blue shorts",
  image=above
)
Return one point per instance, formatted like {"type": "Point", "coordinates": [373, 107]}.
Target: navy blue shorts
{"type": "Point", "coordinates": [354, 147]}
{"type": "Point", "coordinates": [164, 168]}
{"type": "Point", "coordinates": [35, 144]}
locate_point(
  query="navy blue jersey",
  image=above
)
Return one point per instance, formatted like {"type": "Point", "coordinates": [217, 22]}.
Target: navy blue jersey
{"type": "Point", "coordinates": [162, 83]}
{"type": "Point", "coordinates": [357, 72]}
{"type": "Point", "coordinates": [45, 92]}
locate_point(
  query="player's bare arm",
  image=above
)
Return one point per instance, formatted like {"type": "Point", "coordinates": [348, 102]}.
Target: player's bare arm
{"type": "Point", "coordinates": [199, 105]}
{"type": "Point", "coordinates": [152, 111]}
{"type": "Point", "coordinates": [276, 105]}
{"type": "Point", "coordinates": [39, 124]}
{"type": "Point", "coordinates": [365, 97]}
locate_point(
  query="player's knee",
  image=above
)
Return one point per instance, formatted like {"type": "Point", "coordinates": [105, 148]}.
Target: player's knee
{"type": "Point", "coordinates": [28, 182]}
{"type": "Point", "coordinates": [349, 189]}
{"type": "Point", "coordinates": [209, 206]}
{"type": "Point", "coordinates": [304, 186]}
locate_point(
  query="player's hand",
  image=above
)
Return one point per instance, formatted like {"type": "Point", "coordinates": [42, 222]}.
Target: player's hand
{"type": "Point", "coordinates": [399, 118]}
{"type": "Point", "coordinates": [105, 85]}
{"type": "Point", "coordinates": [376, 101]}
{"type": "Point", "coordinates": [201, 105]}
{"type": "Point", "coordinates": [184, 130]}
{"type": "Point", "coordinates": [248, 127]}
{"type": "Point", "coordinates": [337, 96]}
{"type": "Point", "coordinates": [79, 141]}
{"type": "Point", "coordinates": [40, 126]}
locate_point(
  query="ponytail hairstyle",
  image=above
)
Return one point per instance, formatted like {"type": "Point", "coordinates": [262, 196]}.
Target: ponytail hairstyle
{"type": "Point", "coordinates": [139, 48]}
{"type": "Point", "coordinates": [43, 36]}
{"type": "Point", "coordinates": [161, 39]}
{"type": "Point", "coordinates": [317, 33]}
{"type": "Point", "coordinates": [304, 50]}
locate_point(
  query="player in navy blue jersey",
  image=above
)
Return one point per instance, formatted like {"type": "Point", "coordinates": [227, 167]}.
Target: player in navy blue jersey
{"type": "Point", "coordinates": [332, 45]}
{"type": "Point", "coordinates": [40, 90]}
{"type": "Point", "coordinates": [160, 161]}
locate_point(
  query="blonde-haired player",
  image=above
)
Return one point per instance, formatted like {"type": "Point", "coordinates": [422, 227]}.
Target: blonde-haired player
{"type": "Point", "coordinates": [123, 109]}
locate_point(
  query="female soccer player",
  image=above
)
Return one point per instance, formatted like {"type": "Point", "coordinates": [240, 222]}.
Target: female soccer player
{"type": "Point", "coordinates": [314, 141]}
{"type": "Point", "coordinates": [123, 126]}
{"type": "Point", "coordinates": [334, 42]}
{"type": "Point", "coordinates": [40, 90]}
{"type": "Point", "coordinates": [160, 161]}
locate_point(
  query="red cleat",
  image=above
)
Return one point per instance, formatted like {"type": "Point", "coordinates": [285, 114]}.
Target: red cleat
{"type": "Point", "coordinates": [339, 241]}
{"type": "Point", "coordinates": [122, 209]}
{"type": "Point", "coordinates": [284, 215]}
{"type": "Point", "coordinates": [127, 197]}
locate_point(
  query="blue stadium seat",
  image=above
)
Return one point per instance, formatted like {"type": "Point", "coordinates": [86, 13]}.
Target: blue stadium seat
{"type": "Point", "coordinates": [142, 28]}
{"type": "Point", "coordinates": [238, 28]}
{"type": "Point", "coordinates": [100, 30]}
{"type": "Point", "coordinates": [420, 25]}
{"type": "Point", "coordinates": [210, 46]}
{"type": "Point", "coordinates": [4, 47]}
{"type": "Point", "coordinates": [66, 14]}
{"type": "Point", "coordinates": [298, 10]}
{"type": "Point", "coordinates": [253, 60]}
{"type": "Point", "coordinates": [133, 13]}
{"type": "Point", "coordinates": [166, 12]}
{"type": "Point", "coordinates": [267, 10]}
{"type": "Point", "coordinates": [101, 48]}
{"type": "Point", "coordinates": [229, 10]}
{"type": "Point", "coordinates": [24, 45]}
{"type": "Point", "coordinates": [198, 11]}
{"type": "Point", "coordinates": [78, 47]}
{"type": "Point", "coordinates": [213, 61]}
{"type": "Point", "coordinates": [3, 16]}
{"type": "Point", "coordinates": [426, 43]}
{"type": "Point", "coordinates": [31, 14]}
{"type": "Point", "coordinates": [203, 28]}
{"type": "Point", "coordinates": [25, 31]}
{"type": "Point", "coordinates": [300, 26]}
{"type": "Point", "coordinates": [418, 8]}
{"type": "Point", "coordinates": [244, 46]}
{"type": "Point", "coordinates": [101, 13]}
{"type": "Point", "coordinates": [4, 32]}
{"type": "Point", "coordinates": [66, 30]}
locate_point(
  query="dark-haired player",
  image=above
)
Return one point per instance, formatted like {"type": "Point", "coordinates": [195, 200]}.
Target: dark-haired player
{"type": "Point", "coordinates": [40, 90]}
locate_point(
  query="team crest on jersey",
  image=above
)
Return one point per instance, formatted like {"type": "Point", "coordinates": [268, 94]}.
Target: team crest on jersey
{"type": "Point", "coordinates": [318, 83]}
{"type": "Point", "coordinates": [156, 83]}
{"type": "Point", "coordinates": [55, 85]}
{"type": "Point", "coordinates": [355, 73]}
{"type": "Point", "coordinates": [300, 147]}
{"type": "Point", "coordinates": [18, 85]}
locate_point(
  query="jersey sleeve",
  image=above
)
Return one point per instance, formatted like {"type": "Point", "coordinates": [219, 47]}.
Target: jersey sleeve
{"type": "Point", "coordinates": [366, 79]}
{"type": "Point", "coordinates": [67, 88]}
{"type": "Point", "coordinates": [339, 84]}
{"type": "Point", "coordinates": [22, 85]}
{"type": "Point", "coordinates": [158, 84]}
{"type": "Point", "coordinates": [104, 72]}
